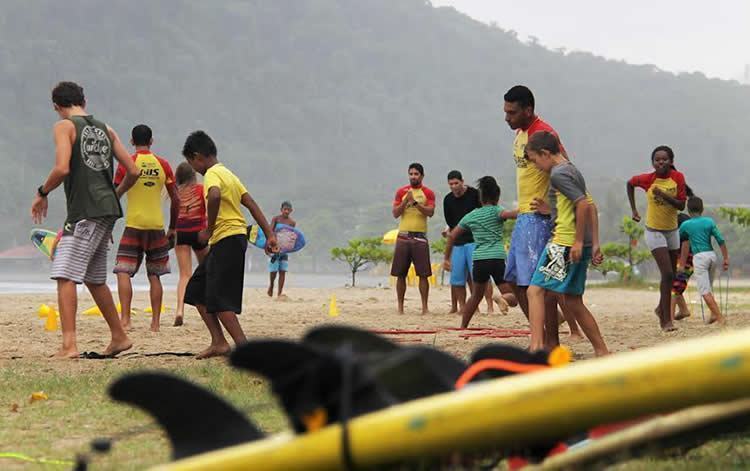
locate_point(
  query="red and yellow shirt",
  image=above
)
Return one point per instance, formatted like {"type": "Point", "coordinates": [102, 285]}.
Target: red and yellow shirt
{"type": "Point", "coordinates": [660, 215]}
{"type": "Point", "coordinates": [144, 198]}
{"type": "Point", "coordinates": [412, 220]}
{"type": "Point", "coordinates": [530, 181]}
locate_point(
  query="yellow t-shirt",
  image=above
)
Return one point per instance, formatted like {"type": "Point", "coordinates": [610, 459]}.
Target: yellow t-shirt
{"type": "Point", "coordinates": [230, 220]}
{"type": "Point", "coordinates": [530, 181]}
{"type": "Point", "coordinates": [660, 215]}
{"type": "Point", "coordinates": [412, 220]}
{"type": "Point", "coordinates": [144, 198]}
{"type": "Point", "coordinates": [567, 187]}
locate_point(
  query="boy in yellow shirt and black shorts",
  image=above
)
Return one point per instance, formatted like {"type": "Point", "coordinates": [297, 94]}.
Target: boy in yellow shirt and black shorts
{"type": "Point", "coordinates": [215, 288]}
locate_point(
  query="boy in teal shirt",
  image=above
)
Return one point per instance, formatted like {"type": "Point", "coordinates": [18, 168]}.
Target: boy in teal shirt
{"type": "Point", "coordinates": [699, 229]}
{"type": "Point", "coordinates": [486, 226]}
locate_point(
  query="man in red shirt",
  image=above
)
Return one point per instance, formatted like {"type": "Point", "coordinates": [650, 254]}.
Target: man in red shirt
{"type": "Point", "coordinates": [414, 203]}
{"type": "Point", "coordinates": [533, 227]}
{"type": "Point", "coordinates": [144, 226]}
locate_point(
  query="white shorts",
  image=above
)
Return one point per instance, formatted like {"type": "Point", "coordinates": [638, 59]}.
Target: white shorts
{"type": "Point", "coordinates": [704, 265]}
{"type": "Point", "coordinates": [659, 239]}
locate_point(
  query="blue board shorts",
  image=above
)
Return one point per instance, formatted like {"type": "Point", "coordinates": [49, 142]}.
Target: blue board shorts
{"type": "Point", "coordinates": [278, 263]}
{"type": "Point", "coordinates": [530, 235]}
{"type": "Point", "coordinates": [555, 273]}
{"type": "Point", "coordinates": [461, 265]}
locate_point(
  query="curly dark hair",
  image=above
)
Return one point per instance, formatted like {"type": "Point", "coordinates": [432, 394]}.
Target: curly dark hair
{"type": "Point", "coordinates": [67, 94]}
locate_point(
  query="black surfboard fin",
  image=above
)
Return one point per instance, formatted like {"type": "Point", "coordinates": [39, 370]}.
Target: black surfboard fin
{"type": "Point", "coordinates": [195, 419]}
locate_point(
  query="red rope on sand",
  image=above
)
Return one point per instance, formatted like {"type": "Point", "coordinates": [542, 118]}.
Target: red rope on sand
{"type": "Point", "coordinates": [468, 332]}
{"type": "Point", "coordinates": [496, 335]}
{"type": "Point", "coordinates": [403, 332]}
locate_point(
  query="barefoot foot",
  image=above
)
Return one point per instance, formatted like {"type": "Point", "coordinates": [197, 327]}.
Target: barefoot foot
{"type": "Point", "coordinates": [178, 320]}
{"type": "Point", "coordinates": [681, 315]}
{"type": "Point", "coordinates": [65, 354]}
{"type": "Point", "coordinates": [669, 327]}
{"type": "Point", "coordinates": [214, 351]}
{"type": "Point", "coordinates": [501, 303]}
{"type": "Point", "coordinates": [115, 348]}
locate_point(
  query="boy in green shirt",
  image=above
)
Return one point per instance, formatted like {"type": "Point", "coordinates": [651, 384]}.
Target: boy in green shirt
{"type": "Point", "coordinates": [488, 258]}
{"type": "Point", "coordinates": [699, 229]}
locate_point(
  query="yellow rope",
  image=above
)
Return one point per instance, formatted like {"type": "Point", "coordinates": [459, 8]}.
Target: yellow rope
{"type": "Point", "coordinates": [22, 457]}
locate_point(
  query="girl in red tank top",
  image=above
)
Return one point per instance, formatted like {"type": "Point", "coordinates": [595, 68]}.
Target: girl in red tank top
{"type": "Point", "coordinates": [190, 221]}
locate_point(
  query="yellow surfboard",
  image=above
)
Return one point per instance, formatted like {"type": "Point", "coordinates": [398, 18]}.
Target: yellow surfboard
{"type": "Point", "coordinates": [512, 411]}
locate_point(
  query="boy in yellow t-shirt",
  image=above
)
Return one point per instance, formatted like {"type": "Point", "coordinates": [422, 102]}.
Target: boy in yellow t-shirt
{"type": "Point", "coordinates": [215, 288]}
{"type": "Point", "coordinates": [562, 266]}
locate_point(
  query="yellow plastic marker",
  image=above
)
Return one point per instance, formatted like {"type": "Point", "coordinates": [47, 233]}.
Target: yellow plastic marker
{"type": "Point", "coordinates": [132, 311]}
{"type": "Point", "coordinates": [560, 356]}
{"type": "Point", "coordinates": [50, 325]}
{"type": "Point", "coordinates": [44, 311]}
{"type": "Point", "coordinates": [333, 311]}
{"type": "Point", "coordinates": [150, 311]}
{"type": "Point", "coordinates": [38, 396]}
{"type": "Point", "coordinates": [93, 311]}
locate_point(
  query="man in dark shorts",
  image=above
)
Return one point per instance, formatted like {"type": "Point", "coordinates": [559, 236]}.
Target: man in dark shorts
{"type": "Point", "coordinates": [144, 226]}
{"type": "Point", "coordinates": [215, 288]}
{"type": "Point", "coordinates": [414, 203]}
{"type": "Point", "coordinates": [84, 150]}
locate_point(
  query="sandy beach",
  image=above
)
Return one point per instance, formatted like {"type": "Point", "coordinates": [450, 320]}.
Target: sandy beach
{"type": "Point", "coordinates": [625, 317]}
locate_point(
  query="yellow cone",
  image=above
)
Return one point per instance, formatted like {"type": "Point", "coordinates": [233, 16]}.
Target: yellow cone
{"type": "Point", "coordinates": [38, 396]}
{"type": "Point", "coordinates": [333, 311]}
{"type": "Point", "coordinates": [150, 311]}
{"type": "Point", "coordinates": [50, 324]}
{"type": "Point", "coordinates": [93, 311]}
{"type": "Point", "coordinates": [44, 311]}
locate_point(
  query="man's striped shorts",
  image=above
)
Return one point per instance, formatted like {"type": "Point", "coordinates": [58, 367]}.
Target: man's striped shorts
{"type": "Point", "coordinates": [81, 256]}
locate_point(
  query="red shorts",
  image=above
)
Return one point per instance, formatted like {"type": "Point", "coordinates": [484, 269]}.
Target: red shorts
{"type": "Point", "coordinates": [137, 242]}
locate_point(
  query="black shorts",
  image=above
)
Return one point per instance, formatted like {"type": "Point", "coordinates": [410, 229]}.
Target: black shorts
{"type": "Point", "coordinates": [191, 239]}
{"type": "Point", "coordinates": [217, 283]}
{"type": "Point", "coordinates": [484, 269]}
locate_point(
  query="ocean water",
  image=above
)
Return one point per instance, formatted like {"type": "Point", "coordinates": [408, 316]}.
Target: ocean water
{"type": "Point", "coordinates": [39, 282]}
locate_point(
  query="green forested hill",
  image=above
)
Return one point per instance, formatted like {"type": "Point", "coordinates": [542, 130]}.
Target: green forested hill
{"type": "Point", "coordinates": [325, 102]}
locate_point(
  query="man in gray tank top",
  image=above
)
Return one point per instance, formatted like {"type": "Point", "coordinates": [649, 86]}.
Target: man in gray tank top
{"type": "Point", "coordinates": [84, 150]}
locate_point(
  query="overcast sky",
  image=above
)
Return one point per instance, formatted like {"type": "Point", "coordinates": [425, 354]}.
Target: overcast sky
{"type": "Point", "coordinates": [712, 37]}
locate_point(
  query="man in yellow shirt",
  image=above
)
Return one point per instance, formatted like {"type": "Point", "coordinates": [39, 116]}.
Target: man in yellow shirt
{"type": "Point", "coordinates": [144, 225]}
{"type": "Point", "coordinates": [413, 203]}
{"type": "Point", "coordinates": [216, 286]}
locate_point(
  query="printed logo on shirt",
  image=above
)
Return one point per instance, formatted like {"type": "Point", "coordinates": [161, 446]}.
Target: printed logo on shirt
{"type": "Point", "coordinates": [95, 148]}
{"type": "Point", "coordinates": [519, 155]}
